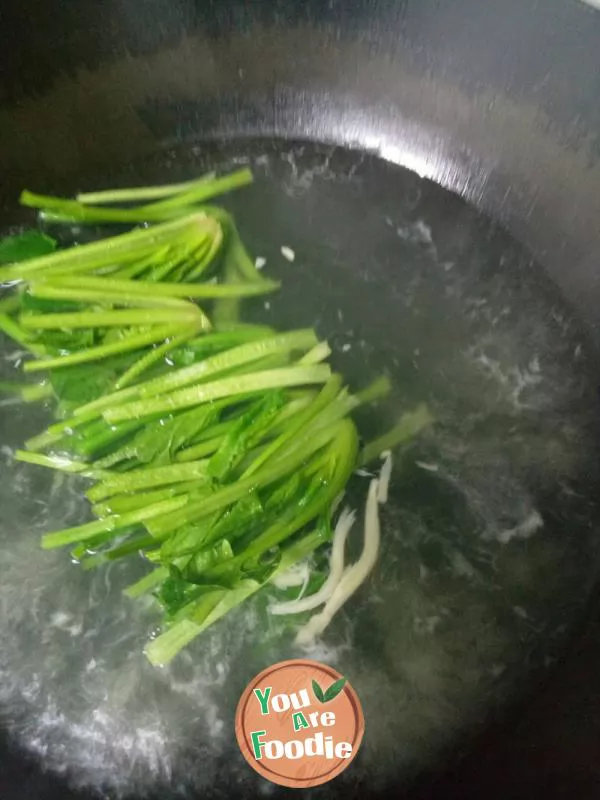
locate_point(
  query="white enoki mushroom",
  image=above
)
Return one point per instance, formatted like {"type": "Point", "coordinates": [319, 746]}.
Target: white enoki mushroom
{"type": "Point", "coordinates": [336, 569]}
{"type": "Point", "coordinates": [384, 477]}
{"type": "Point", "coordinates": [353, 576]}
{"type": "Point", "coordinates": [296, 575]}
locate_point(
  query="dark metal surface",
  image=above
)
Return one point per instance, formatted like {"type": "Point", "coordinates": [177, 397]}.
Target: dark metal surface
{"type": "Point", "coordinates": [495, 101]}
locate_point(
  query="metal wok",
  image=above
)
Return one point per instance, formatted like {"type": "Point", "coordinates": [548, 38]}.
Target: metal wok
{"type": "Point", "coordinates": [331, 100]}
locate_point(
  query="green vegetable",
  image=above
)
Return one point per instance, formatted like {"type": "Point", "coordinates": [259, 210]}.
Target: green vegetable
{"type": "Point", "coordinates": [207, 392]}
{"type": "Point", "coordinates": [141, 193]}
{"type": "Point", "coordinates": [244, 435]}
{"type": "Point", "coordinates": [146, 478]}
{"type": "Point", "coordinates": [107, 295]}
{"type": "Point", "coordinates": [74, 211]}
{"type": "Point", "coordinates": [160, 441]}
{"type": "Point", "coordinates": [106, 253]}
{"type": "Point", "coordinates": [153, 356]}
{"type": "Point", "coordinates": [15, 332]}
{"type": "Point", "coordinates": [410, 425]}
{"type": "Point", "coordinates": [163, 291]}
{"type": "Point", "coordinates": [129, 341]}
{"type": "Point", "coordinates": [29, 244]}
{"type": "Point", "coordinates": [111, 524]}
{"type": "Point", "coordinates": [102, 319]}
{"type": "Point", "coordinates": [217, 449]}
{"type": "Point", "coordinates": [165, 647]}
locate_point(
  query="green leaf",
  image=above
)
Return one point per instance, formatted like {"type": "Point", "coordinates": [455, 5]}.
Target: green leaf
{"type": "Point", "coordinates": [29, 244]}
{"type": "Point", "coordinates": [247, 432]}
{"type": "Point", "coordinates": [127, 342]}
{"type": "Point", "coordinates": [284, 493]}
{"type": "Point", "coordinates": [29, 302]}
{"type": "Point", "coordinates": [232, 493]}
{"type": "Point", "coordinates": [261, 570]}
{"type": "Point", "coordinates": [334, 690]}
{"type": "Point", "coordinates": [205, 559]}
{"type": "Point", "coordinates": [182, 599]}
{"type": "Point", "coordinates": [242, 517]}
{"type": "Point", "coordinates": [97, 437]}
{"type": "Point", "coordinates": [83, 383]}
{"type": "Point", "coordinates": [318, 692]}
{"type": "Point", "coordinates": [166, 646]}
{"type": "Point", "coordinates": [188, 539]}
{"type": "Point", "coordinates": [159, 441]}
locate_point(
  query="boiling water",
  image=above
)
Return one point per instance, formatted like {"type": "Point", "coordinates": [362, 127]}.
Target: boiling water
{"type": "Point", "coordinates": [488, 539]}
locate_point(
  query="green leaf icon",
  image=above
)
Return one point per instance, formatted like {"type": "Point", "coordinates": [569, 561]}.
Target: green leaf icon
{"type": "Point", "coordinates": [334, 689]}
{"type": "Point", "coordinates": [329, 694]}
{"type": "Point", "coordinates": [318, 692]}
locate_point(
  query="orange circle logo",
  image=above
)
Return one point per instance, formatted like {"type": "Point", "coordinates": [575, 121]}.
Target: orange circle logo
{"type": "Point", "coordinates": [299, 723]}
